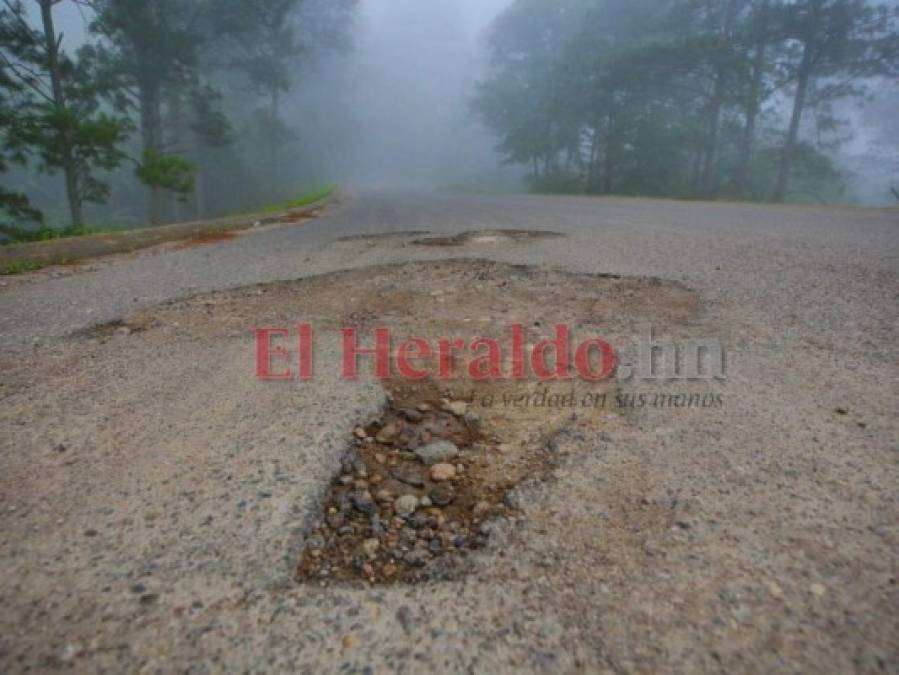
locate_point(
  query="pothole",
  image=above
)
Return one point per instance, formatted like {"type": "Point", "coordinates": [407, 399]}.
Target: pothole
{"type": "Point", "coordinates": [503, 433]}
{"type": "Point", "coordinates": [415, 496]}
{"type": "Point", "coordinates": [484, 237]}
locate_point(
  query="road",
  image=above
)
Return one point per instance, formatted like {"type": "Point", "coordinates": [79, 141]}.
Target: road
{"type": "Point", "coordinates": [154, 497]}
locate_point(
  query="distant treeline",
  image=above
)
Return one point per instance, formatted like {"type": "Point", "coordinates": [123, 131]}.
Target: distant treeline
{"type": "Point", "coordinates": [155, 104]}
{"type": "Point", "coordinates": [685, 98]}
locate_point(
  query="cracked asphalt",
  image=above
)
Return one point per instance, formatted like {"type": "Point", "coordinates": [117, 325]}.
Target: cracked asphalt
{"type": "Point", "coordinates": [154, 495]}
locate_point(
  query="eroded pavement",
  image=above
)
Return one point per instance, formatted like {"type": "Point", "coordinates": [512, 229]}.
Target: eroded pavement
{"type": "Point", "coordinates": [163, 509]}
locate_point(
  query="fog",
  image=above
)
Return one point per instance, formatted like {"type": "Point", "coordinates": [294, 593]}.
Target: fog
{"type": "Point", "coordinates": [397, 107]}
{"type": "Point", "coordinates": [572, 96]}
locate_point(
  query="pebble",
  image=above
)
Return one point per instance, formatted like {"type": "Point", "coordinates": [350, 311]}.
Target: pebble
{"type": "Point", "coordinates": [377, 530]}
{"type": "Point", "coordinates": [70, 653]}
{"type": "Point", "coordinates": [442, 472]}
{"type": "Point", "coordinates": [481, 509]}
{"type": "Point", "coordinates": [363, 502]}
{"type": "Point", "coordinates": [437, 452]}
{"type": "Point", "coordinates": [406, 505]}
{"type": "Point", "coordinates": [442, 495]}
{"type": "Point", "coordinates": [413, 416]}
{"type": "Point", "coordinates": [418, 557]}
{"type": "Point", "coordinates": [408, 474]}
{"type": "Point", "coordinates": [387, 434]}
{"type": "Point", "coordinates": [370, 547]}
{"type": "Point", "coordinates": [457, 408]}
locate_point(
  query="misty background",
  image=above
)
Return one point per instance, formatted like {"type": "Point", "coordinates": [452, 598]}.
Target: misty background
{"type": "Point", "coordinates": [383, 95]}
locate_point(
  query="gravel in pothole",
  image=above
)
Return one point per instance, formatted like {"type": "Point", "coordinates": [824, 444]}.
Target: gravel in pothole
{"type": "Point", "coordinates": [411, 500]}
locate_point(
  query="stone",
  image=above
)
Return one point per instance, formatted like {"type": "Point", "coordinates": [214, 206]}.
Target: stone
{"type": "Point", "coordinates": [481, 509]}
{"type": "Point", "coordinates": [409, 474]}
{"type": "Point", "coordinates": [442, 495]}
{"type": "Point", "coordinates": [405, 506]}
{"type": "Point", "coordinates": [370, 547]}
{"type": "Point", "coordinates": [413, 416]}
{"type": "Point", "coordinates": [418, 557]}
{"type": "Point", "coordinates": [387, 434]}
{"type": "Point", "coordinates": [377, 529]}
{"type": "Point", "coordinates": [457, 408]}
{"type": "Point", "coordinates": [70, 652]}
{"type": "Point", "coordinates": [437, 452]}
{"type": "Point", "coordinates": [363, 502]}
{"type": "Point", "coordinates": [442, 472]}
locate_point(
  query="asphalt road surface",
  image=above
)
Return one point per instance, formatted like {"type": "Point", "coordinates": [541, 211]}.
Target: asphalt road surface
{"type": "Point", "coordinates": [154, 497]}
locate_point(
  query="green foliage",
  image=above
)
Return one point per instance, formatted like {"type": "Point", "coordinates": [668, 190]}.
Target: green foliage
{"type": "Point", "coordinates": [312, 196]}
{"type": "Point", "coordinates": [20, 267]}
{"type": "Point", "coordinates": [170, 172]}
{"type": "Point", "coordinates": [666, 97]}
{"type": "Point", "coordinates": [46, 233]}
{"type": "Point", "coordinates": [51, 113]}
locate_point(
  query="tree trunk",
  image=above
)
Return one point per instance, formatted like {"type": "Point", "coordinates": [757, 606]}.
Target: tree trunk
{"type": "Point", "coordinates": [69, 167]}
{"type": "Point", "coordinates": [789, 149]}
{"type": "Point", "coordinates": [609, 157]}
{"type": "Point", "coordinates": [710, 170]}
{"type": "Point", "coordinates": [591, 164]}
{"type": "Point", "coordinates": [274, 141]}
{"type": "Point", "coordinates": [151, 138]}
{"type": "Point", "coordinates": [753, 104]}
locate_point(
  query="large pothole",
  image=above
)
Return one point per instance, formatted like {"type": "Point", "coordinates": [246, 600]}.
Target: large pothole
{"type": "Point", "coordinates": [393, 513]}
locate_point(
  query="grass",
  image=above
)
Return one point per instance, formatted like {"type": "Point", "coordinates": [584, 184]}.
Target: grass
{"type": "Point", "coordinates": [315, 195]}
{"type": "Point", "coordinates": [45, 233]}
{"type": "Point", "coordinates": [15, 235]}
{"type": "Point", "coordinates": [20, 267]}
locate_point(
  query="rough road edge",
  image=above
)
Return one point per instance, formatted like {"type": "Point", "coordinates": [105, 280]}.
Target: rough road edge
{"type": "Point", "coordinates": [68, 250]}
